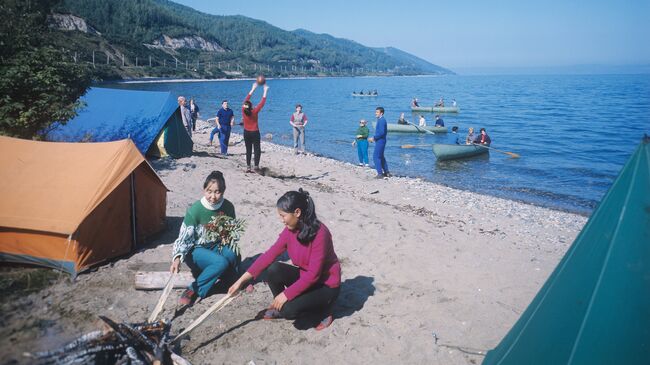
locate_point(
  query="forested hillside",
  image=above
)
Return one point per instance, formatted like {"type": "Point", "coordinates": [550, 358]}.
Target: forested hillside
{"type": "Point", "coordinates": [161, 38]}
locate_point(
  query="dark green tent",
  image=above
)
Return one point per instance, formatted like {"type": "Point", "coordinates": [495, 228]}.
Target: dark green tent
{"type": "Point", "coordinates": [595, 306]}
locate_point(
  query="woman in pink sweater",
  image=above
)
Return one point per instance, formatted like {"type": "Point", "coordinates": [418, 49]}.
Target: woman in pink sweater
{"type": "Point", "coordinates": [311, 284]}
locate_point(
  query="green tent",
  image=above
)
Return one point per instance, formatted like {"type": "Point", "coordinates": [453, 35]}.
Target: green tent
{"type": "Point", "coordinates": [595, 306]}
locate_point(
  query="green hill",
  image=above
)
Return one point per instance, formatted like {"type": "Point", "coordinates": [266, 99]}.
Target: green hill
{"type": "Point", "coordinates": [137, 38]}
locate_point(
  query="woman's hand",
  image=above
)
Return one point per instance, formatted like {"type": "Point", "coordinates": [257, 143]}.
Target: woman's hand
{"type": "Point", "coordinates": [234, 288]}
{"type": "Point", "coordinates": [279, 301]}
{"type": "Point", "coordinates": [175, 267]}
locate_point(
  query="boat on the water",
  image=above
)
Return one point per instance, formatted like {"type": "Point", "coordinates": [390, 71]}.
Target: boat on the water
{"type": "Point", "coordinates": [410, 128]}
{"type": "Point", "coordinates": [364, 95]}
{"type": "Point", "coordinates": [436, 109]}
{"type": "Point", "coordinates": [446, 152]}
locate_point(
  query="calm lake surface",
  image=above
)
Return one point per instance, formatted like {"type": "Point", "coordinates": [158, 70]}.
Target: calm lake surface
{"type": "Point", "coordinates": [573, 132]}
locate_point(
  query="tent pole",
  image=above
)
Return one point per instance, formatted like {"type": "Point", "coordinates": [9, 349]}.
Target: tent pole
{"type": "Point", "coordinates": [135, 243]}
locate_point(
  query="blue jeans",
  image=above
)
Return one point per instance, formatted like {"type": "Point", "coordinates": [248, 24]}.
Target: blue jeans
{"type": "Point", "coordinates": [214, 131]}
{"type": "Point", "coordinates": [362, 150]}
{"type": "Point", "coordinates": [378, 157]}
{"type": "Point", "coordinates": [224, 138]}
{"type": "Point", "coordinates": [208, 265]}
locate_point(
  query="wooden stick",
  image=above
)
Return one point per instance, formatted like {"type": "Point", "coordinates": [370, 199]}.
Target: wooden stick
{"type": "Point", "coordinates": [511, 154]}
{"type": "Point", "coordinates": [163, 298]}
{"type": "Point", "coordinates": [215, 308]}
{"type": "Point", "coordinates": [415, 145]}
{"type": "Point", "coordinates": [421, 129]}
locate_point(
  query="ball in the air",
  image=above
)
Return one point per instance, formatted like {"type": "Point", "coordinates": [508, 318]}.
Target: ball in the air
{"type": "Point", "coordinates": [261, 80]}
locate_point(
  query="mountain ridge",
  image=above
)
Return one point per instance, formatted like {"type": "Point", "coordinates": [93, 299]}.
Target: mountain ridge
{"type": "Point", "coordinates": [142, 38]}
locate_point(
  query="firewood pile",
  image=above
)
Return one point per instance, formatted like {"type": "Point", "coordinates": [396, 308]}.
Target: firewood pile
{"type": "Point", "coordinates": [118, 343]}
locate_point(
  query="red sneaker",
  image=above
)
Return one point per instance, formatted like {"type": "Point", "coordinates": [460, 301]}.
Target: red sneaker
{"type": "Point", "coordinates": [325, 323]}
{"type": "Point", "coordinates": [188, 297]}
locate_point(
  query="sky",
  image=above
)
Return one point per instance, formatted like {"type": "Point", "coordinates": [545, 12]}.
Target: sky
{"type": "Point", "coordinates": [465, 35]}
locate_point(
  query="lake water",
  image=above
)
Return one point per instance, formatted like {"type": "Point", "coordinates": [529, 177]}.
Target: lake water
{"type": "Point", "coordinates": [573, 132]}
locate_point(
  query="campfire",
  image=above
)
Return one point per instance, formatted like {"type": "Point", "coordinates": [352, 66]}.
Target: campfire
{"type": "Point", "coordinates": [118, 343]}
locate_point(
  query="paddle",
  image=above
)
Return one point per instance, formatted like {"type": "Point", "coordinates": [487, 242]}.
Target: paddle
{"type": "Point", "coordinates": [511, 154]}
{"type": "Point", "coordinates": [163, 298]}
{"type": "Point", "coordinates": [415, 145]}
{"type": "Point", "coordinates": [213, 309]}
{"type": "Point", "coordinates": [421, 129]}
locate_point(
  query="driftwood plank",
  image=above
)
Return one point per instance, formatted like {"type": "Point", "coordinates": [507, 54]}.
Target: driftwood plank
{"type": "Point", "coordinates": [156, 280]}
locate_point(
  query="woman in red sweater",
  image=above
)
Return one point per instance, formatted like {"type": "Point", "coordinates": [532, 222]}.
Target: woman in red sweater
{"type": "Point", "coordinates": [311, 284]}
{"type": "Point", "coordinates": [251, 129]}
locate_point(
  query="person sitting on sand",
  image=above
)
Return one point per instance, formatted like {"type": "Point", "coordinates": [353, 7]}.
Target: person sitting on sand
{"type": "Point", "coordinates": [208, 260]}
{"type": "Point", "coordinates": [309, 286]}
{"type": "Point", "coordinates": [414, 103]}
{"type": "Point", "coordinates": [362, 142]}
{"type": "Point", "coordinates": [439, 122]}
{"type": "Point", "coordinates": [440, 103]}
{"type": "Point", "coordinates": [483, 138]}
{"type": "Point", "coordinates": [422, 121]}
{"type": "Point", "coordinates": [402, 119]}
{"type": "Point", "coordinates": [470, 136]}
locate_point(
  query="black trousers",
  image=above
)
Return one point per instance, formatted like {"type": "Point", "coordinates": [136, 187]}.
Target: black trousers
{"type": "Point", "coordinates": [317, 300]}
{"type": "Point", "coordinates": [252, 141]}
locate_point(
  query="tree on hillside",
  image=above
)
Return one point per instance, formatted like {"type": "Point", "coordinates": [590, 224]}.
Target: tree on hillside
{"type": "Point", "coordinates": [37, 86]}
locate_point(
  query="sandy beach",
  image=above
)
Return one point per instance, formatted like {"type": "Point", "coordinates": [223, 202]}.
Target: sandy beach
{"type": "Point", "coordinates": [431, 275]}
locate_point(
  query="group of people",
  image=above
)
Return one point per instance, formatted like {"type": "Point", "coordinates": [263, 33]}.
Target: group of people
{"type": "Point", "coordinates": [225, 120]}
{"type": "Point", "coordinates": [379, 138]}
{"type": "Point", "coordinates": [422, 122]}
{"type": "Point", "coordinates": [370, 92]}
{"type": "Point", "coordinates": [438, 104]}
{"type": "Point", "coordinates": [482, 138]}
{"type": "Point", "coordinates": [307, 287]}
{"type": "Point", "coordinates": [189, 113]}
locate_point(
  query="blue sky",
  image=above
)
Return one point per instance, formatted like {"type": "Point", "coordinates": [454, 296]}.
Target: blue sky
{"type": "Point", "coordinates": [471, 34]}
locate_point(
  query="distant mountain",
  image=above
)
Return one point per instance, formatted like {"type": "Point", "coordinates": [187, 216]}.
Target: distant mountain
{"type": "Point", "coordinates": [413, 61]}
{"type": "Point", "coordinates": [135, 38]}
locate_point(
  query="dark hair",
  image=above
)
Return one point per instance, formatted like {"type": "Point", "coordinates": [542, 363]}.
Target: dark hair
{"type": "Point", "coordinates": [454, 128]}
{"type": "Point", "coordinates": [248, 108]}
{"type": "Point", "coordinates": [298, 105]}
{"type": "Point", "coordinates": [224, 101]}
{"type": "Point", "coordinates": [482, 130]}
{"type": "Point", "coordinates": [216, 176]}
{"type": "Point", "coordinates": [381, 109]}
{"type": "Point", "coordinates": [308, 222]}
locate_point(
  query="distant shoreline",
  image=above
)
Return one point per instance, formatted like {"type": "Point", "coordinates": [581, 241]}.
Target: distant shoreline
{"type": "Point", "coordinates": [176, 80]}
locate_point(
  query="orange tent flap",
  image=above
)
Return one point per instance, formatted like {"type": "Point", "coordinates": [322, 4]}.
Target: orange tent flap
{"type": "Point", "coordinates": [53, 186]}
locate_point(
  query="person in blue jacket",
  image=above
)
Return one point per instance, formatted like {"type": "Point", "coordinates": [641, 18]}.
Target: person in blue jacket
{"type": "Point", "coordinates": [381, 130]}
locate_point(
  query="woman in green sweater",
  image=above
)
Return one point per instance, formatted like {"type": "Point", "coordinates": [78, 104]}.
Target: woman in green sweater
{"type": "Point", "coordinates": [209, 260]}
{"type": "Point", "coordinates": [362, 142]}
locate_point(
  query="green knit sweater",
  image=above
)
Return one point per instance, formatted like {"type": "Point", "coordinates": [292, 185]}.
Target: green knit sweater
{"type": "Point", "coordinates": [192, 232]}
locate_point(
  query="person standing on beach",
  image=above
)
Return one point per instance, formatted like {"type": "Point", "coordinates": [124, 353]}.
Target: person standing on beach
{"type": "Point", "coordinates": [225, 120]}
{"type": "Point", "coordinates": [185, 115]}
{"type": "Point", "coordinates": [207, 260]}
{"type": "Point", "coordinates": [251, 128]}
{"type": "Point", "coordinates": [194, 112]}
{"type": "Point", "coordinates": [362, 142]}
{"type": "Point", "coordinates": [298, 121]}
{"type": "Point", "coordinates": [381, 130]}
{"type": "Point", "coordinates": [311, 285]}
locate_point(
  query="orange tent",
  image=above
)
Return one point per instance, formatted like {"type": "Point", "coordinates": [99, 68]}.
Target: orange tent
{"type": "Point", "coordinates": [70, 206]}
